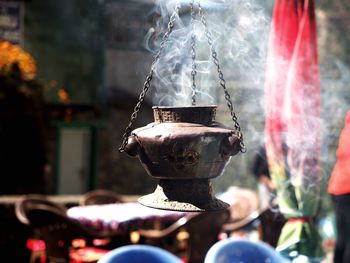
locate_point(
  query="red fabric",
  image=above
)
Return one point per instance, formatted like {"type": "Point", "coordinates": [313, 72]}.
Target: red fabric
{"type": "Point", "coordinates": [339, 182]}
{"type": "Point", "coordinates": [35, 245]}
{"type": "Point", "coordinates": [292, 89]}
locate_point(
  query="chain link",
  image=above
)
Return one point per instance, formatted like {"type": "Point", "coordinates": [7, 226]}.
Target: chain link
{"type": "Point", "coordinates": [193, 53]}
{"type": "Point", "coordinates": [214, 55]}
{"type": "Point", "coordinates": [221, 77]}
{"type": "Point", "coordinates": [149, 77]}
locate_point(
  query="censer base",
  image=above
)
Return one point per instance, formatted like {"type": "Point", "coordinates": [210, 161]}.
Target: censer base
{"type": "Point", "coordinates": [192, 195]}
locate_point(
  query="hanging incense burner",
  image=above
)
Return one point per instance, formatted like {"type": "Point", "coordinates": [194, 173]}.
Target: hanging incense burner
{"type": "Point", "coordinates": [184, 147]}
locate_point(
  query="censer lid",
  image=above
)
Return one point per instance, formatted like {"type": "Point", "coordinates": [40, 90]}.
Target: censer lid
{"type": "Point", "coordinates": [160, 131]}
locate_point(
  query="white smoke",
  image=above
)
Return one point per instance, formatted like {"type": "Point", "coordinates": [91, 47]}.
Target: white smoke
{"type": "Point", "coordinates": [239, 32]}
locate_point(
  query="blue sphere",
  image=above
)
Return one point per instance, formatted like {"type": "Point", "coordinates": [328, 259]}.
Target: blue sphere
{"type": "Point", "coordinates": [234, 250]}
{"type": "Point", "coordinates": [139, 254]}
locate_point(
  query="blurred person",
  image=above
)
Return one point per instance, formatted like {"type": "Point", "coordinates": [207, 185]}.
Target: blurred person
{"type": "Point", "coordinates": [339, 189]}
{"type": "Point", "coordinates": [260, 170]}
{"type": "Point", "coordinates": [271, 219]}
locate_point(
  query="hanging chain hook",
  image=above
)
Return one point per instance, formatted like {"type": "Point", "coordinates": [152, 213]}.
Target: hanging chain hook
{"type": "Point", "coordinates": [147, 83]}
{"type": "Point", "coordinates": [222, 81]}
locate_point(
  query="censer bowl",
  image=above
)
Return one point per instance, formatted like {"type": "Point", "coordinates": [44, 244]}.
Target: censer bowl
{"type": "Point", "coordinates": [184, 147]}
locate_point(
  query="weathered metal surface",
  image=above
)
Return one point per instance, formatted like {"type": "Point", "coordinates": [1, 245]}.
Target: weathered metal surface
{"type": "Point", "coordinates": [184, 148]}
{"type": "Point", "coordinates": [184, 195]}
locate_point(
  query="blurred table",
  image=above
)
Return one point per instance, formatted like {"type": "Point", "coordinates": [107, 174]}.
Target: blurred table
{"type": "Point", "coordinates": [122, 218]}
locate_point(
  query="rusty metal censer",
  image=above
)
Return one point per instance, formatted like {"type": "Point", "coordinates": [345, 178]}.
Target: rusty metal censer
{"type": "Point", "coordinates": [184, 147]}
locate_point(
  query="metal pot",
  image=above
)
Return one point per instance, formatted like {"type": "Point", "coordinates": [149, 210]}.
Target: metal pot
{"type": "Point", "coordinates": [184, 147]}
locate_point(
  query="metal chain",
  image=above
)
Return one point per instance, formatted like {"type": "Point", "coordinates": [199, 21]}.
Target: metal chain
{"type": "Point", "coordinates": [221, 77]}
{"type": "Point", "coordinates": [193, 53]}
{"type": "Point", "coordinates": [149, 77]}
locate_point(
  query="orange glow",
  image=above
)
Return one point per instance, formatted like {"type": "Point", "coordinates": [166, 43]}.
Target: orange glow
{"type": "Point", "coordinates": [63, 96]}
{"type": "Point", "coordinates": [10, 54]}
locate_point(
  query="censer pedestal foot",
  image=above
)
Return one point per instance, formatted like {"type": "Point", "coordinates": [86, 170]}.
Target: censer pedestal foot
{"type": "Point", "coordinates": [192, 195]}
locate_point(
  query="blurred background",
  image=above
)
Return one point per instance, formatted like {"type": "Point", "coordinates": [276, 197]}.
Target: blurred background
{"type": "Point", "coordinates": [71, 72]}
{"type": "Point", "coordinates": [89, 61]}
